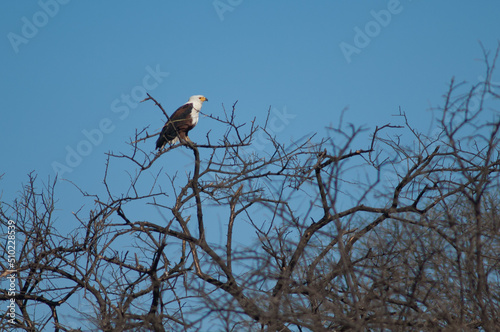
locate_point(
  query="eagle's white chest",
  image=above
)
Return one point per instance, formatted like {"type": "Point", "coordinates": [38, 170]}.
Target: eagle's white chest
{"type": "Point", "coordinates": [194, 116]}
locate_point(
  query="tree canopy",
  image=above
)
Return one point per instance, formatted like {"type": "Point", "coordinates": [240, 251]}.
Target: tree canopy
{"type": "Point", "coordinates": [387, 228]}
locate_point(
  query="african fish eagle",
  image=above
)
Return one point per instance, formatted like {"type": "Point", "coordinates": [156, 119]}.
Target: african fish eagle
{"type": "Point", "coordinates": [181, 122]}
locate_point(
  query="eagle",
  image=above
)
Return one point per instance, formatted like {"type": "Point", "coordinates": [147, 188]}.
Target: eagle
{"type": "Point", "coordinates": [181, 122]}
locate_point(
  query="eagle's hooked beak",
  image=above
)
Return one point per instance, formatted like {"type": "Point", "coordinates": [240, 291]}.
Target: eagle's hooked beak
{"type": "Point", "coordinates": [203, 99]}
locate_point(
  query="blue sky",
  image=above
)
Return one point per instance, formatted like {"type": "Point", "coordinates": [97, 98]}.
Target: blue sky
{"type": "Point", "coordinates": [72, 71]}
{"type": "Point", "coordinates": [68, 65]}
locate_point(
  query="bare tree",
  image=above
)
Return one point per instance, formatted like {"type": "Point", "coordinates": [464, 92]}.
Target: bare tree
{"type": "Point", "coordinates": [391, 229]}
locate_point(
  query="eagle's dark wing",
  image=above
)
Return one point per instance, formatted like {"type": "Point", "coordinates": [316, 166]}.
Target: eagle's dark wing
{"type": "Point", "coordinates": [178, 125]}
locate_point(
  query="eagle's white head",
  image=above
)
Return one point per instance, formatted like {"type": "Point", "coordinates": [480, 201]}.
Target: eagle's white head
{"type": "Point", "coordinates": [197, 101]}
